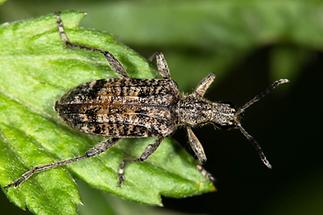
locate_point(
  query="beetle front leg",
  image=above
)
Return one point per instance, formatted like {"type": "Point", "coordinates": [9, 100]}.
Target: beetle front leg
{"type": "Point", "coordinates": [196, 146]}
{"type": "Point", "coordinates": [205, 173]}
{"type": "Point", "coordinates": [204, 85]}
{"type": "Point", "coordinates": [149, 150]}
{"type": "Point", "coordinates": [161, 64]}
{"type": "Point", "coordinates": [199, 152]}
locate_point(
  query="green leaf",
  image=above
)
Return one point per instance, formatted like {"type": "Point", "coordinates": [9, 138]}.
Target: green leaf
{"type": "Point", "coordinates": [222, 31]}
{"type": "Point", "coordinates": [99, 203]}
{"type": "Point", "coordinates": [2, 1]}
{"type": "Point", "coordinates": [223, 25]}
{"type": "Point", "coordinates": [35, 71]}
{"type": "Point", "coordinates": [287, 61]}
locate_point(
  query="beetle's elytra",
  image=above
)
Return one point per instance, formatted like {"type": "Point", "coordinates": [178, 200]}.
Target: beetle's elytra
{"type": "Point", "coordinates": [122, 107]}
{"type": "Point", "coordinates": [130, 108]}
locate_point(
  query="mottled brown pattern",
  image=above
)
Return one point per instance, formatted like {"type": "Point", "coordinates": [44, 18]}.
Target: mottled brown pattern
{"type": "Point", "coordinates": [127, 107]}
{"type": "Point", "coordinates": [122, 107]}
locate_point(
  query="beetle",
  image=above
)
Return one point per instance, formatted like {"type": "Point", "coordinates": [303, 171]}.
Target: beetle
{"type": "Point", "coordinates": [127, 107]}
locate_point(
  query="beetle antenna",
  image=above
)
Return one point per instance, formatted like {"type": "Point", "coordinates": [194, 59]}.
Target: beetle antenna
{"type": "Point", "coordinates": [255, 144]}
{"type": "Point", "coordinates": [261, 95]}
{"type": "Point", "coordinates": [255, 99]}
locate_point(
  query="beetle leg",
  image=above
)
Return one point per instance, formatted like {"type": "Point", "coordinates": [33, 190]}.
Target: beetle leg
{"type": "Point", "coordinates": [96, 150]}
{"type": "Point", "coordinates": [101, 147]}
{"type": "Point", "coordinates": [196, 145]}
{"type": "Point", "coordinates": [204, 85]}
{"type": "Point", "coordinates": [149, 150]}
{"type": "Point", "coordinates": [161, 64]}
{"type": "Point", "coordinates": [114, 63]}
{"type": "Point", "coordinates": [199, 152]}
{"type": "Point", "coordinates": [205, 173]}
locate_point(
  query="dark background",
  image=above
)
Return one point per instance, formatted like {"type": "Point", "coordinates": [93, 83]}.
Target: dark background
{"type": "Point", "coordinates": [287, 123]}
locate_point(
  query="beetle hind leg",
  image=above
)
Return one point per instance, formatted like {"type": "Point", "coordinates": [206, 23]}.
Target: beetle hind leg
{"type": "Point", "coordinates": [114, 63]}
{"type": "Point", "coordinates": [96, 150]}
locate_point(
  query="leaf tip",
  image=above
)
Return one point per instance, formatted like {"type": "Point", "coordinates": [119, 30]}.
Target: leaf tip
{"type": "Point", "coordinates": [213, 188]}
{"type": "Point", "coordinates": [72, 16]}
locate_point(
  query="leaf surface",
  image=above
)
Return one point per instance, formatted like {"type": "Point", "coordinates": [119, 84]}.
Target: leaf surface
{"type": "Point", "coordinates": [36, 69]}
{"type": "Point", "coordinates": [202, 36]}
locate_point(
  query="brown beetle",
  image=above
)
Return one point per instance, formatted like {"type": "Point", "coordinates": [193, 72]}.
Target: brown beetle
{"type": "Point", "coordinates": [130, 108]}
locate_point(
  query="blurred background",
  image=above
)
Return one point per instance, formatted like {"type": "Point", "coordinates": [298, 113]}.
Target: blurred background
{"type": "Point", "coordinates": [248, 45]}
